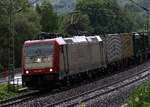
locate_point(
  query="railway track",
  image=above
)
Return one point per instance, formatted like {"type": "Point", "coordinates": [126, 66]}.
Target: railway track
{"type": "Point", "coordinates": [19, 98]}
{"type": "Point", "coordinates": [75, 100]}
{"type": "Point", "coordinates": [106, 89]}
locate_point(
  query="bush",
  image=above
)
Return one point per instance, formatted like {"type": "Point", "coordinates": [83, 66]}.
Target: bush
{"type": "Point", "coordinates": [141, 96]}
{"type": "Point", "coordinates": [7, 91]}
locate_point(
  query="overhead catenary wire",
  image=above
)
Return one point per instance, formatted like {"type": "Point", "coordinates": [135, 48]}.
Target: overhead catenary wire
{"type": "Point", "coordinates": [32, 3]}
{"type": "Point", "coordinates": [113, 12]}
{"type": "Point", "coordinates": [138, 5]}
{"type": "Point", "coordinates": [12, 12]}
{"type": "Point", "coordinates": [2, 4]}
{"type": "Point", "coordinates": [145, 9]}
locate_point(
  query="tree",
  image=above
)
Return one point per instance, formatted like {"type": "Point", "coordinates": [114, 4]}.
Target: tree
{"type": "Point", "coordinates": [27, 25]}
{"type": "Point", "coordinates": [137, 14]}
{"type": "Point", "coordinates": [74, 23]}
{"type": "Point", "coordinates": [146, 3]}
{"type": "Point", "coordinates": [49, 19]}
{"type": "Point", "coordinates": [105, 16]}
{"type": "Point", "coordinates": [4, 31]}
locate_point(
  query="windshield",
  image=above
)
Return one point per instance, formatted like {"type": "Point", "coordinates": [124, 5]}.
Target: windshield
{"type": "Point", "coordinates": [35, 51]}
{"type": "Point", "coordinates": [38, 56]}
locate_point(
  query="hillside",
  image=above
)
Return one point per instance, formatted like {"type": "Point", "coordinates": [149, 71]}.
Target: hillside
{"type": "Point", "coordinates": [60, 6]}
{"type": "Point", "coordinates": [63, 6]}
{"type": "Point", "coordinates": [66, 6]}
{"type": "Point", "coordinates": [145, 3]}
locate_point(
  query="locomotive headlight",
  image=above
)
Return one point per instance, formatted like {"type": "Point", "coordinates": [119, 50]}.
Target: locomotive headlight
{"type": "Point", "coordinates": [38, 60]}
{"type": "Point", "coordinates": [27, 72]}
{"type": "Point", "coordinates": [51, 70]}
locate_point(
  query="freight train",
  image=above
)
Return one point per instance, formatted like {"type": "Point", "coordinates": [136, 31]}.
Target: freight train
{"type": "Point", "coordinates": [47, 61]}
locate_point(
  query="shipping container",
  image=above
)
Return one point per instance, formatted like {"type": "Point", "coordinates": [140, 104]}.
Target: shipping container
{"type": "Point", "coordinates": [127, 45]}
{"type": "Point", "coordinates": [113, 47]}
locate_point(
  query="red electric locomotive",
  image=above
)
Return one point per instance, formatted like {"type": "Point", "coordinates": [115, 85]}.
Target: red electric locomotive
{"type": "Point", "coordinates": [40, 61]}
{"type": "Point", "coordinates": [48, 61]}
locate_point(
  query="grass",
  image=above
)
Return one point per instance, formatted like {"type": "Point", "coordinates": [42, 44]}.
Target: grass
{"type": "Point", "coordinates": [7, 91]}
{"type": "Point", "coordinates": [140, 96]}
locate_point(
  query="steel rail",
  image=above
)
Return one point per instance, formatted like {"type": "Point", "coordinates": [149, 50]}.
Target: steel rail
{"type": "Point", "coordinates": [106, 89]}
{"type": "Point", "coordinates": [33, 94]}
{"type": "Point", "coordinates": [18, 99]}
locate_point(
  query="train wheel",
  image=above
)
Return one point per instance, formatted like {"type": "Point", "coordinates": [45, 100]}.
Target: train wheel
{"type": "Point", "coordinates": [89, 74]}
{"type": "Point", "coordinates": [68, 81]}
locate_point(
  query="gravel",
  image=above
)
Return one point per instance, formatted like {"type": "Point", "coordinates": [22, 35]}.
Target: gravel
{"type": "Point", "coordinates": [43, 100]}
{"type": "Point", "coordinates": [116, 98]}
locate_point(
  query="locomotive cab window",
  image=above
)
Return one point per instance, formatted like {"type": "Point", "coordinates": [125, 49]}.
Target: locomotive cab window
{"type": "Point", "coordinates": [38, 56]}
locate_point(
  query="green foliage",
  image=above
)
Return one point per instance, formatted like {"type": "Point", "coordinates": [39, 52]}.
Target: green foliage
{"type": "Point", "coordinates": [4, 31]}
{"type": "Point", "coordinates": [137, 14]}
{"type": "Point", "coordinates": [49, 19]}
{"type": "Point", "coordinates": [140, 97]}
{"type": "Point", "coordinates": [94, 16]}
{"type": "Point", "coordinates": [74, 23]}
{"type": "Point", "coordinates": [27, 25]}
{"type": "Point", "coordinates": [105, 16]}
{"type": "Point", "coordinates": [7, 91]}
{"type": "Point", "coordinates": [146, 3]}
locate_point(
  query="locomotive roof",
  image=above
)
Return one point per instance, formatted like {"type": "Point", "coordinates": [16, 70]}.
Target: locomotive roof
{"type": "Point", "coordinates": [38, 41]}
{"type": "Point", "coordinates": [83, 39]}
{"type": "Point", "coordinates": [77, 39]}
{"type": "Point", "coordinates": [113, 34]}
{"type": "Point", "coordinates": [63, 41]}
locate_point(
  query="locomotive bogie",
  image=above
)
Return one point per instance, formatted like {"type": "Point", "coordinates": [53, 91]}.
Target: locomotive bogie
{"type": "Point", "coordinates": [40, 81]}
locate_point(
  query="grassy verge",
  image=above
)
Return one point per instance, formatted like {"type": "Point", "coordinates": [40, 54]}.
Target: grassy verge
{"type": "Point", "coordinates": [141, 96]}
{"type": "Point", "coordinates": [7, 91]}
